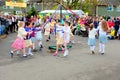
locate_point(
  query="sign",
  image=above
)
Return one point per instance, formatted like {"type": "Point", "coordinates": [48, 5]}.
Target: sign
{"type": "Point", "coordinates": [15, 4]}
{"type": "Point", "coordinates": [110, 8]}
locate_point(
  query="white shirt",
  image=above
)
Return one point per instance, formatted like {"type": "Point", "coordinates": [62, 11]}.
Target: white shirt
{"type": "Point", "coordinates": [13, 19]}
{"type": "Point", "coordinates": [21, 33]}
{"type": "Point", "coordinates": [67, 32]}
{"type": "Point", "coordinates": [92, 33]}
{"type": "Point", "coordinates": [60, 30]}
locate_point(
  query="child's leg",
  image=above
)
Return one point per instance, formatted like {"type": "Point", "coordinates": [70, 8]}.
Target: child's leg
{"type": "Point", "coordinates": [12, 52]}
{"type": "Point", "coordinates": [103, 48]}
{"type": "Point", "coordinates": [40, 44]}
{"type": "Point", "coordinates": [56, 52]}
{"type": "Point", "coordinates": [66, 50]}
{"type": "Point", "coordinates": [33, 46]}
{"type": "Point", "coordinates": [92, 48]}
{"type": "Point", "coordinates": [48, 37]}
{"type": "Point", "coordinates": [100, 47]}
{"type": "Point", "coordinates": [24, 52]}
{"type": "Point", "coordinates": [29, 51]}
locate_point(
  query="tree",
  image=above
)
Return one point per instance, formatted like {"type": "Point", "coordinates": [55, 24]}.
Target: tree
{"type": "Point", "coordinates": [32, 12]}
{"type": "Point", "coordinates": [72, 4]}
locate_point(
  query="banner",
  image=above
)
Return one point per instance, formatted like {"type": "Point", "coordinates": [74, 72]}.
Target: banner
{"type": "Point", "coordinates": [15, 4]}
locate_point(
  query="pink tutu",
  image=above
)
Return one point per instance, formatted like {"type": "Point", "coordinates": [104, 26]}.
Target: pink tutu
{"type": "Point", "coordinates": [18, 44]}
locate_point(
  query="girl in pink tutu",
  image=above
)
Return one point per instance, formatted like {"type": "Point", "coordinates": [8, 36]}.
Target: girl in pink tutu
{"type": "Point", "coordinates": [19, 43]}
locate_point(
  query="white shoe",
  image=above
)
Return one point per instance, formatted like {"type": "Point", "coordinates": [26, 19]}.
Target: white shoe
{"type": "Point", "coordinates": [65, 53]}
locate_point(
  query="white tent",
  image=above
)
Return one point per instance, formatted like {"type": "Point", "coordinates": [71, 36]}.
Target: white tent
{"type": "Point", "coordinates": [78, 12]}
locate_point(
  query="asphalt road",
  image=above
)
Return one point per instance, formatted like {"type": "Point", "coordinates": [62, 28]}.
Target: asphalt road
{"type": "Point", "coordinates": [79, 65]}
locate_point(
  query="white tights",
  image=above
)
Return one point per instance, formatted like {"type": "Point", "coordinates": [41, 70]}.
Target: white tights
{"type": "Point", "coordinates": [92, 48]}
{"type": "Point", "coordinates": [102, 48]}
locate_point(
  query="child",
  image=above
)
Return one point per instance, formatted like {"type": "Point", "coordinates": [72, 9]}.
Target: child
{"type": "Point", "coordinates": [27, 39]}
{"type": "Point", "coordinates": [66, 37]}
{"type": "Point", "coordinates": [47, 30]}
{"type": "Point", "coordinates": [59, 37]}
{"type": "Point", "coordinates": [19, 42]}
{"type": "Point", "coordinates": [38, 32]}
{"type": "Point", "coordinates": [33, 37]}
{"type": "Point", "coordinates": [103, 28]}
{"type": "Point", "coordinates": [91, 38]}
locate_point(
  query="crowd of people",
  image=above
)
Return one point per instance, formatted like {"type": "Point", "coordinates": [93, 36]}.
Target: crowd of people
{"type": "Point", "coordinates": [32, 29]}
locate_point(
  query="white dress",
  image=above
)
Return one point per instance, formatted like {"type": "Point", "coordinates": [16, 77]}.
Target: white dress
{"type": "Point", "coordinates": [102, 35]}
{"type": "Point", "coordinates": [91, 37]}
{"type": "Point", "coordinates": [38, 33]}
{"type": "Point", "coordinates": [67, 32]}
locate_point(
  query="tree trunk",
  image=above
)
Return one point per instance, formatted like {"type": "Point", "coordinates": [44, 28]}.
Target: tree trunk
{"type": "Point", "coordinates": [81, 4]}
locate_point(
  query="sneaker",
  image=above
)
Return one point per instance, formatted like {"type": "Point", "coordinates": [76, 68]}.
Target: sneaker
{"type": "Point", "coordinates": [65, 53]}
{"type": "Point", "coordinates": [47, 40]}
{"type": "Point", "coordinates": [102, 53]}
{"type": "Point", "coordinates": [11, 54]}
{"type": "Point", "coordinates": [49, 37]}
{"type": "Point", "coordinates": [25, 56]}
{"type": "Point", "coordinates": [41, 46]}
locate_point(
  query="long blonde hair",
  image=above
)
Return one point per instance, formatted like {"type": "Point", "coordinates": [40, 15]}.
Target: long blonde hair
{"type": "Point", "coordinates": [104, 25]}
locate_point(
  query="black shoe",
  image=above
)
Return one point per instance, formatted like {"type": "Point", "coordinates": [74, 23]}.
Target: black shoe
{"type": "Point", "coordinates": [41, 46]}
{"type": "Point", "coordinates": [93, 52]}
{"type": "Point", "coordinates": [11, 54]}
{"type": "Point", "coordinates": [102, 53]}
{"type": "Point", "coordinates": [49, 37]}
{"type": "Point", "coordinates": [47, 40]}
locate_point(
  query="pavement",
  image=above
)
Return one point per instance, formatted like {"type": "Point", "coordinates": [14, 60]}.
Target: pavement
{"type": "Point", "coordinates": [79, 65]}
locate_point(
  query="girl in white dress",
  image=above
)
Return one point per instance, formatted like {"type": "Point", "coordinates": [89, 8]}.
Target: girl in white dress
{"type": "Point", "coordinates": [91, 38]}
{"type": "Point", "coordinates": [66, 37]}
{"type": "Point", "coordinates": [103, 28]}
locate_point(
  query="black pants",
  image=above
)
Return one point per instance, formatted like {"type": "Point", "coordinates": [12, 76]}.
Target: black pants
{"type": "Point", "coordinates": [10, 28]}
{"type": "Point", "coordinates": [119, 36]}
{"type": "Point", "coordinates": [13, 26]}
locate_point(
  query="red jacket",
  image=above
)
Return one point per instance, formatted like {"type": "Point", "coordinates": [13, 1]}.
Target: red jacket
{"type": "Point", "coordinates": [111, 24]}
